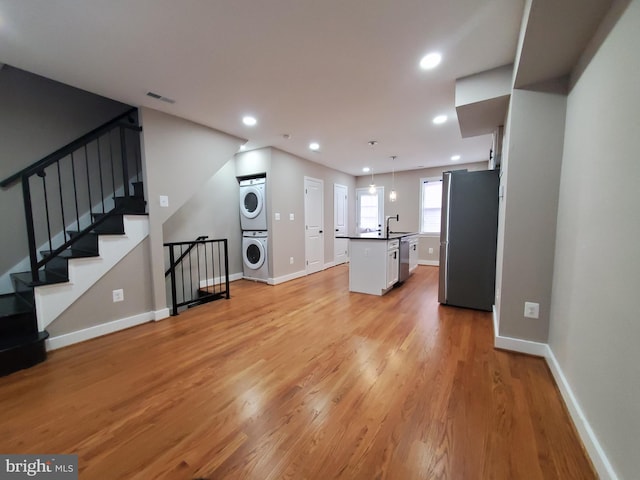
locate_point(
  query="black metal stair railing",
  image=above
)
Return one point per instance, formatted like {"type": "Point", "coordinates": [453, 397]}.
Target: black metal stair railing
{"type": "Point", "coordinates": [79, 186]}
{"type": "Point", "coordinates": [198, 272]}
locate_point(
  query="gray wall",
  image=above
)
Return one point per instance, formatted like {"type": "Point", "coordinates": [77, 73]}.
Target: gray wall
{"type": "Point", "coordinates": [178, 158]}
{"type": "Point", "coordinates": [595, 318]}
{"type": "Point", "coordinates": [96, 306]}
{"type": "Point", "coordinates": [285, 195]}
{"type": "Point", "coordinates": [37, 116]}
{"type": "Point", "coordinates": [530, 181]}
{"type": "Point", "coordinates": [407, 185]}
{"type": "Point", "coordinates": [213, 211]}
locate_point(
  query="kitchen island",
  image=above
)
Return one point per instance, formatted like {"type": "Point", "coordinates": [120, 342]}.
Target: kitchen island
{"type": "Point", "coordinates": [374, 260]}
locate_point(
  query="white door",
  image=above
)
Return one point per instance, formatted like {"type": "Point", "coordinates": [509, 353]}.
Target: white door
{"type": "Point", "coordinates": [340, 242]}
{"type": "Point", "coordinates": [313, 219]}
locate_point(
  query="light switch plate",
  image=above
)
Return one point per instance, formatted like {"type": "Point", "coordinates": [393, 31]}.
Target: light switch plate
{"type": "Point", "coordinates": [118, 295]}
{"type": "Point", "coordinates": [164, 201]}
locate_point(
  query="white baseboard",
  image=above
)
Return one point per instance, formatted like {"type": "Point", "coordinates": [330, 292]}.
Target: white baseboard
{"type": "Point", "coordinates": [67, 339]}
{"type": "Point", "coordinates": [161, 314]}
{"type": "Point", "coordinates": [329, 265]}
{"type": "Point", "coordinates": [286, 278]}
{"type": "Point", "coordinates": [219, 280]}
{"type": "Point", "coordinates": [432, 263]}
{"type": "Point", "coordinates": [586, 433]}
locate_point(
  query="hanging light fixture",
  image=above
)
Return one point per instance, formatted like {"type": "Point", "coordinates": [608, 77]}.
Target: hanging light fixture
{"type": "Point", "coordinates": [372, 185]}
{"type": "Point", "coordinates": [392, 195]}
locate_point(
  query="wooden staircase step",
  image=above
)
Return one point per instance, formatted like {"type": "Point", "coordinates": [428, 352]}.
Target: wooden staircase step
{"type": "Point", "coordinates": [88, 242]}
{"type": "Point", "coordinates": [17, 317]}
{"type": "Point", "coordinates": [71, 253]}
{"type": "Point", "coordinates": [138, 189]}
{"type": "Point", "coordinates": [114, 225]}
{"type": "Point", "coordinates": [24, 279]}
{"type": "Point", "coordinates": [11, 304]}
{"type": "Point", "coordinates": [24, 351]}
{"type": "Point", "coordinates": [132, 204]}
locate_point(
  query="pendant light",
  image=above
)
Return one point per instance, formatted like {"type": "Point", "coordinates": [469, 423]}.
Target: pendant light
{"type": "Point", "coordinates": [372, 185]}
{"type": "Point", "coordinates": [392, 195]}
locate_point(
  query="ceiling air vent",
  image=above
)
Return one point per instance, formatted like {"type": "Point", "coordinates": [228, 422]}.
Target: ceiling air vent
{"type": "Point", "coordinates": [160, 97]}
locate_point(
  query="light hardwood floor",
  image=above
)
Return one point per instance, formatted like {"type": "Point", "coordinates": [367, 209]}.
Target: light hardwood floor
{"type": "Point", "coordinates": [303, 380]}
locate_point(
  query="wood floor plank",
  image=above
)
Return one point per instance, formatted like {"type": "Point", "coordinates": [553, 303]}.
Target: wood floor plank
{"type": "Point", "coordinates": [303, 380]}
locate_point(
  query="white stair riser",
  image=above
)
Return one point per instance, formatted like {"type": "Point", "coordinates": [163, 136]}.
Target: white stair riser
{"type": "Point", "coordinates": [52, 300]}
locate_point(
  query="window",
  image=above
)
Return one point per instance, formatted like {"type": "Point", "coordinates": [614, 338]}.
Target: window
{"type": "Point", "coordinates": [430, 205]}
{"type": "Point", "coordinates": [370, 209]}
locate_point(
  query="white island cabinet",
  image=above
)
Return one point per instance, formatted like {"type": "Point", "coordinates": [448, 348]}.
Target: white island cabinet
{"type": "Point", "coordinates": [374, 264]}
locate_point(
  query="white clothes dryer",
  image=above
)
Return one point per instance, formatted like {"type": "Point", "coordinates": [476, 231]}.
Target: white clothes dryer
{"type": "Point", "coordinates": [255, 263]}
{"type": "Point", "coordinates": [253, 204]}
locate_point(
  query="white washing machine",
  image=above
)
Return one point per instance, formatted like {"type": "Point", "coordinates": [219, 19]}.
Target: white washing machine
{"type": "Point", "coordinates": [253, 204]}
{"type": "Point", "coordinates": [255, 264]}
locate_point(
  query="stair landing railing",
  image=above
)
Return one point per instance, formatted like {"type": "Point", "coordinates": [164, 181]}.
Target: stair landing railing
{"type": "Point", "coordinates": [198, 272]}
{"type": "Point", "coordinates": [74, 187]}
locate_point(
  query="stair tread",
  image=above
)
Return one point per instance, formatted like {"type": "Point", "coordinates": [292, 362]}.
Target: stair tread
{"type": "Point", "coordinates": [17, 341]}
{"type": "Point", "coordinates": [72, 253]}
{"type": "Point", "coordinates": [45, 277]}
{"type": "Point", "coordinates": [11, 304]}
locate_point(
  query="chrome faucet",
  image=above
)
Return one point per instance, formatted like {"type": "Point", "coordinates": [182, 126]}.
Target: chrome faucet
{"type": "Point", "coordinates": [396, 218]}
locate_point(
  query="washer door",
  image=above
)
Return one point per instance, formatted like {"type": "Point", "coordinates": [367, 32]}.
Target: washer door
{"type": "Point", "coordinates": [251, 201]}
{"type": "Point", "coordinates": [253, 253]}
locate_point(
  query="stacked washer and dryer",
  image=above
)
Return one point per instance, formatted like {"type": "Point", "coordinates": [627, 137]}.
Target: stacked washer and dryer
{"type": "Point", "coordinates": [253, 222]}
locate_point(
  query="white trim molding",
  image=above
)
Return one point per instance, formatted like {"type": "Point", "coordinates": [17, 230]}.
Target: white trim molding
{"type": "Point", "coordinates": [78, 336]}
{"type": "Point", "coordinates": [432, 263]}
{"type": "Point", "coordinates": [586, 433]}
{"type": "Point", "coordinates": [161, 314]}
{"type": "Point", "coordinates": [287, 278]}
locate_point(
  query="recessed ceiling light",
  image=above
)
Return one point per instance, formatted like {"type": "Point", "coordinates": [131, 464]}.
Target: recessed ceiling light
{"type": "Point", "coordinates": [440, 119]}
{"type": "Point", "coordinates": [455, 157]}
{"type": "Point", "coordinates": [315, 146]}
{"type": "Point", "coordinates": [430, 61]}
{"type": "Point", "coordinates": [365, 169]}
{"type": "Point", "coordinates": [249, 121]}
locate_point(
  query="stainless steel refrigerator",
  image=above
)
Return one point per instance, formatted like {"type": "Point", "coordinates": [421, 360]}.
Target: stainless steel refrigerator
{"type": "Point", "coordinates": [468, 238]}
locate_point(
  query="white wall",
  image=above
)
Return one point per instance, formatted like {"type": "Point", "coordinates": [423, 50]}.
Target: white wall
{"type": "Point", "coordinates": [530, 180]}
{"type": "Point", "coordinates": [285, 195]}
{"type": "Point", "coordinates": [178, 158]}
{"type": "Point", "coordinates": [595, 317]}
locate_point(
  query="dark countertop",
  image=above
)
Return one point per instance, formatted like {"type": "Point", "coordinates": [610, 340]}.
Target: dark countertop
{"type": "Point", "coordinates": [379, 235]}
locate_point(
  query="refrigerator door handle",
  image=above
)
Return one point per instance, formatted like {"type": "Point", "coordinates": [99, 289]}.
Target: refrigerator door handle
{"type": "Point", "coordinates": [443, 288]}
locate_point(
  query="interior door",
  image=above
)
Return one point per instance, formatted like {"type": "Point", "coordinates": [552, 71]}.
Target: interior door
{"type": "Point", "coordinates": [313, 219]}
{"type": "Point", "coordinates": [340, 205]}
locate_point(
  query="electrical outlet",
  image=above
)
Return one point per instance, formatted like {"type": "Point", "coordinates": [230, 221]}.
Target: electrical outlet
{"type": "Point", "coordinates": [292, 217]}
{"type": "Point", "coordinates": [277, 215]}
{"type": "Point", "coordinates": [430, 250]}
{"type": "Point", "coordinates": [118, 295]}
{"type": "Point", "coordinates": [531, 310]}
{"type": "Point", "coordinates": [290, 260]}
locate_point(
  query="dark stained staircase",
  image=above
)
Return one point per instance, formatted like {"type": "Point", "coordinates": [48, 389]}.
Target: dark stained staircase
{"type": "Point", "coordinates": [22, 345]}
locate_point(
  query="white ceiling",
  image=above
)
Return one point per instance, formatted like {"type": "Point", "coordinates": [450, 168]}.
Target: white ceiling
{"type": "Point", "coordinates": [339, 72]}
